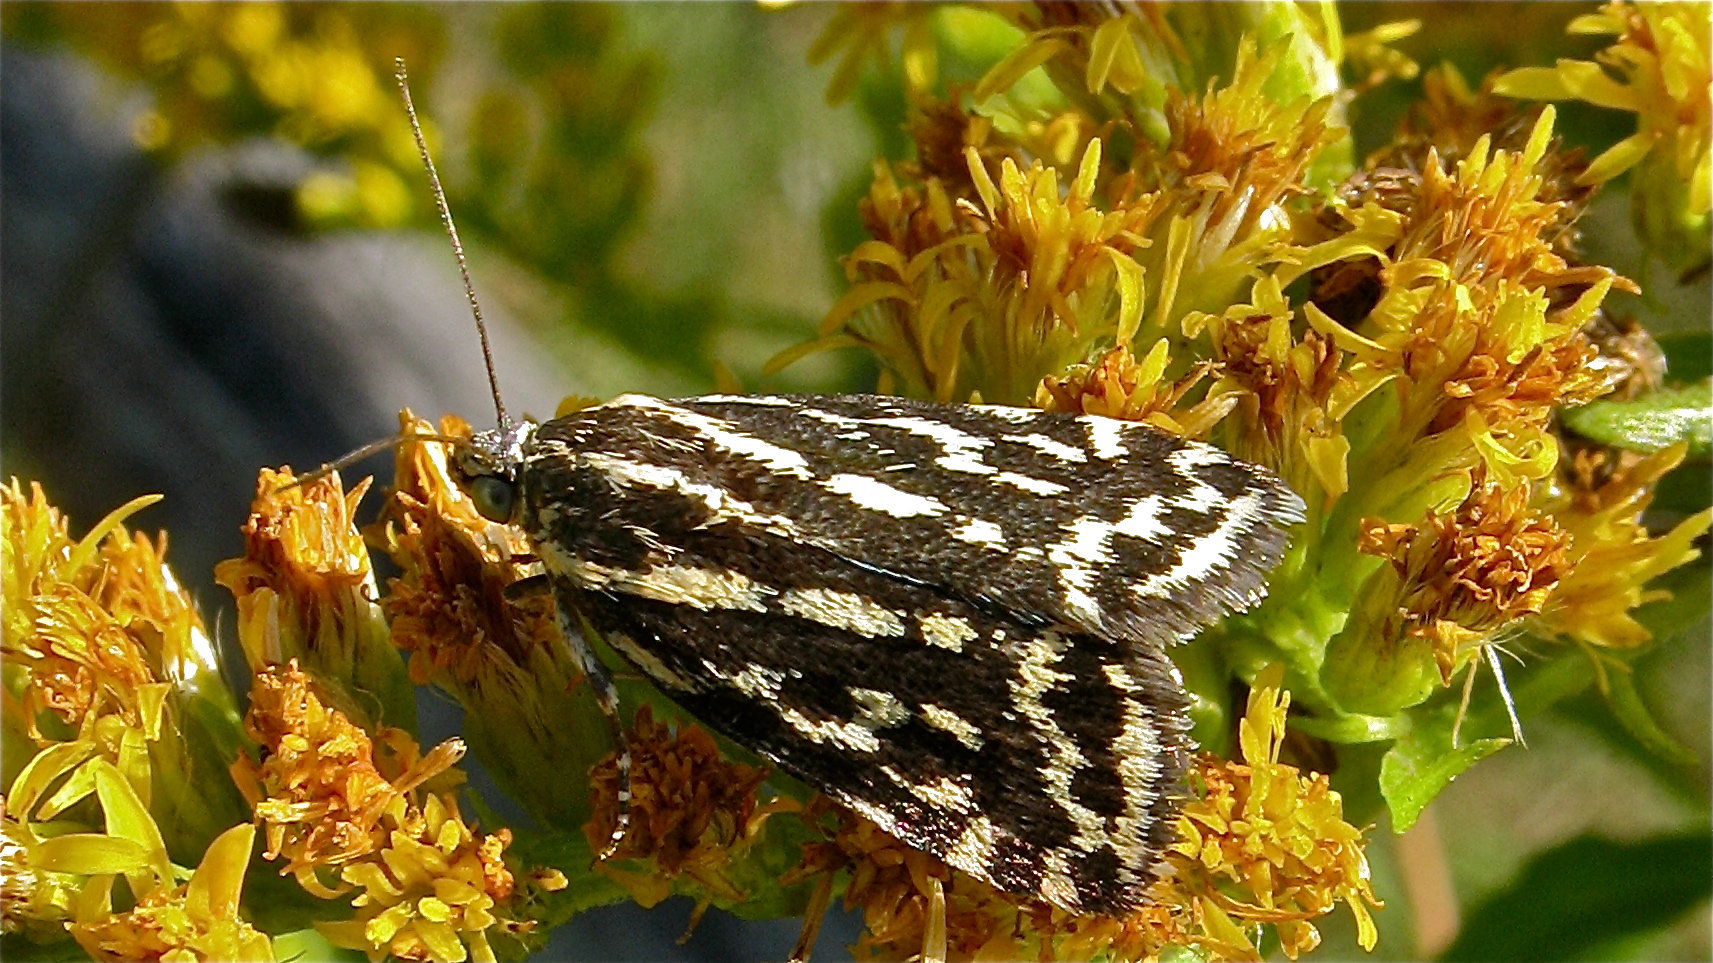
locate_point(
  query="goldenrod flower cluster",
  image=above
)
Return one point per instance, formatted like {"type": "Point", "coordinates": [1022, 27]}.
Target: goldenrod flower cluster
{"type": "Point", "coordinates": [348, 802]}
{"type": "Point", "coordinates": [114, 719]}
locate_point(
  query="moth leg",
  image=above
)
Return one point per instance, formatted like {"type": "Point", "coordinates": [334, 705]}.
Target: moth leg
{"type": "Point", "coordinates": [607, 696]}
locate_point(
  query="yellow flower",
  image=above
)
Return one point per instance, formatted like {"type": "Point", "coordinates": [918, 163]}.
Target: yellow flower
{"type": "Point", "coordinates": [962, 300]}
{"type": "Point", "coordinates": [1118, 386]}
{"type": "Point", "coordinates": [319, 790]}
{"type": "Point", "coordinates": [306, 591]}
{"type": "Point", "coordinates": [333, 801]}
{"type": "Point", "coordinates": [447, 609]}
{"type": "Point", "coordinates": [1237, 153]}
{"type": "Point", "coordinates": [106, 658]}
{"type": "Point", "coordinates": [1452, 118]}
{"type": "Point", "coordinates": [1293, 392]}
{"type": "Point", "coordinates": [1613, 556]}
{"type": "Point", "coordinates": [1660, 67]}
{"type": "Point", "coordinates": [1117, 64]}
{"type": "Point", "coordinates": [913, 905]}
{"type": "Point", "coordinates": [432, 891]}
{"type": "Point", "coordinates": [1262, 843]}
{"type": "Point", "coordinates": [1455, 295]}
{"type": "Point", "coordinates": [67, 655]}
{"type": "Point", "coordinates": [198, 920]}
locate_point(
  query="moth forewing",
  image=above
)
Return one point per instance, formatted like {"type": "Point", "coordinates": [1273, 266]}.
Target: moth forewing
{"type": "Point", "coordinates": [949, 618]}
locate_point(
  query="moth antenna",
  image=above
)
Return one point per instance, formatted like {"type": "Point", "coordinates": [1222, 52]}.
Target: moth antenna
{"type": "Point", "coordinates": [457, 246]}
{"type": "Point", "coordinates": [359, 454]}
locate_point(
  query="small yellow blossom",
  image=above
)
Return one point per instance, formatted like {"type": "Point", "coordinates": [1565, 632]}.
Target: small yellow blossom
{"type": "Point", "coordinates": [1612, 555]}
{"type": "Point", "coordinates": [1262, 843]}
{"type": "Point", "coordinates": [432, 891]}
{"type": "Point", "coordinates": [1045, 272]}
{"type": "Point", "coordinates": [195, 921]}
{"type": "Point", "coordinates": [1452, 118]}
{"type": "Point", "coordinates": [334, 802]}
{"type": "Point", "coordinates": [1660, 67]}
{"type": "Point", "coordinates": [67, 654]}
{"type": "Point", "coordinates": [106, 659]}
{"type": "Point", "coordinates": [1118, 386]}
{"type": "Point", "coordinates": [1293, 392]}
{"type": "Point", "coordinates": [895, 887]}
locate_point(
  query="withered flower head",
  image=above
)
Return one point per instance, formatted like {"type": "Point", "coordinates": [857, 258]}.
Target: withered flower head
{"type": "Point", "coordinates": [452, 607]}
{"type": "Point", "coordinates": [320, 790]}
{"type": "Point", "coordinates": [692, 813]}
{"type": "Point", "coordinates": [1465, 574]}
{"type": "Point", "coordinates": [448, 609]}
{"type": "Point", "coordinates": [306, 591]}
{"type": "Point", "coordinates": [1118, 386]}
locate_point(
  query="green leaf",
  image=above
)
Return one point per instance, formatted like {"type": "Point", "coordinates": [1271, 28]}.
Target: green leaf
{"type": "Point", "coordinates": [1577, 900]}
{"type": "Point", "coordinates": [1684, 490]}
{"type": "Point", "coordinates": [1651, 422]}
{"type": "Point", "coordinates": [569, 853]}
{"type": "Point", "coordinates": [1422, 764]}
{"type": "Point", "coordinates": [307, 944]}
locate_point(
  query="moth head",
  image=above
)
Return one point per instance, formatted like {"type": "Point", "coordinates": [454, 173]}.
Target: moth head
{"type": "Point", "coordinates": [486, 468]}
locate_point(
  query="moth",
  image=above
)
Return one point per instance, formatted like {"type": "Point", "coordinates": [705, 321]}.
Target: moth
{"type": "Point", "coordinates": [950, 618]}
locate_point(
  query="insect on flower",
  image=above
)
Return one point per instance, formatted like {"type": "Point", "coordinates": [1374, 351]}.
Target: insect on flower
{"type": "Point", "coordinates": [950, 618]}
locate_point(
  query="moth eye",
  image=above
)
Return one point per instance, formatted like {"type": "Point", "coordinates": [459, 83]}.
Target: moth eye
{"type": "Point", "coordinates": [494, 497]}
